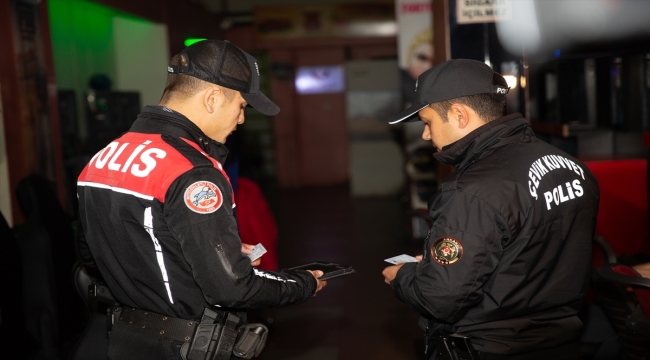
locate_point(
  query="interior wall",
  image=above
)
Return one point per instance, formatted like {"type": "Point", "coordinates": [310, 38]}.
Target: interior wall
{"type": "Point", "coordinates": [28, 97]}
{"type": "Point", "coordinates": [184, 19]}
{"type": "Point", "coordinates": [83, 37]}
{"type": "Point", "coordinates": [141, 57]}
{"type": "Point", "coordinates": [82, 45]}
{"type": "Point", "coordinates": [5, 194]}
{"type": "Point", "coordinates": [322, 134]}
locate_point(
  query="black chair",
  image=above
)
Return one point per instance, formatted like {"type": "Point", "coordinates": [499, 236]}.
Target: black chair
{"type": "Point", "coordinates": [93, 344]}
{"type": "Point", "coordinates": [625, 296]}
{"type": "Point", "coordinates": [599, 339]}
{"type": "Point", "coordinates": [604, 251]}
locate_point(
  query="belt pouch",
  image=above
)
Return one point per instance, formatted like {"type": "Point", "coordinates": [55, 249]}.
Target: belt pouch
{"type": "Point", "coordinates": [227, 338]}
{"type": "Point", "coordinates": [201, 341]}
{"type": "Point", "coordinates": [251, 341]}
{"type": "Point", "coordinates": [207, 331]}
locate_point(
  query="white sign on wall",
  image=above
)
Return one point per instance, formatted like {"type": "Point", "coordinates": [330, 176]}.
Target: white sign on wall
{"type": "Point", "coordinates": [483, 11]}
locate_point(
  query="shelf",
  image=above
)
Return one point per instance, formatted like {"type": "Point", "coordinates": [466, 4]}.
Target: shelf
{"type": "Point", "coordinates": [560, 130]}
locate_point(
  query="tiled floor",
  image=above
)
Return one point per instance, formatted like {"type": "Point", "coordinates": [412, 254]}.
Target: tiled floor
{"type": "Point", "coordinates": [355, 316]}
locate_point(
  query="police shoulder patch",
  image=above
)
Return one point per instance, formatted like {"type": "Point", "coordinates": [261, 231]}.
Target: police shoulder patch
{"type": "Point", "coordinates": [446, 250]}
{"type": "Point", "coordinates": [203, 197]}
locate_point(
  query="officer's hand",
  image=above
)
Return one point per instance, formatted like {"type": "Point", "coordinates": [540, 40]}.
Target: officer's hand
{"type": "Point", "coordinates": [319, 284]}
{"type": "Point", "coordinates": [390, 273]}
{"type": "Point", "coordinates": [248, 249]}
{"type": "Point", "coordinates": [418, 258]}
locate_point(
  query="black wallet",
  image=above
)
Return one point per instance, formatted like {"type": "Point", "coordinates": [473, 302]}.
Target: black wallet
{"type": "Point", "coordinates": [330, 270]}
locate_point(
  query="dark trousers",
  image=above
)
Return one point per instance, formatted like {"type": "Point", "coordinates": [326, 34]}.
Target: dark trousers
{"type": "Point", "coordinates": [569, 351]}
{"type": "Point", "coordinates": [126, 343]}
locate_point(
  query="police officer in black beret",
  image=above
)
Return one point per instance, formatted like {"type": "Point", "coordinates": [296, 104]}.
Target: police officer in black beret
{"type": "Point", "coordinates": [506, 262]}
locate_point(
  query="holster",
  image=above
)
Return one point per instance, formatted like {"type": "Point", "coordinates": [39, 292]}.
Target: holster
{"type": "Point", "coordinates": [219, 336]}
{"type": "Point", "coordinates": [214, 337]}
{"type": "Point", "coordinates": [98, 292]}
{"type": "Point", "coordinates": [453, 346]}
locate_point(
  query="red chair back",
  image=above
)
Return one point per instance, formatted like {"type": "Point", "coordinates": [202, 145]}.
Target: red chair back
{"type": "Point", "coordinates": [623, 212]}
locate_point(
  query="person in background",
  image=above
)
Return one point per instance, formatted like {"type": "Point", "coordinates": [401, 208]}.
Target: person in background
{"type": "Point", "coordinates": [157, 216]}
{"type": "Point", "coordinates": [254, 217]}
{"type": "Point", "coordinates": [506, 261]}
{"type": "Point", "coordinates": [256, 221]}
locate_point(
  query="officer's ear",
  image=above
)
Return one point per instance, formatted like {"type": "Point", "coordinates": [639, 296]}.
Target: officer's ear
{"type": "Point", "coordinates": [213, 98]}
{"type": "Point", "coordinates": [459, 114]}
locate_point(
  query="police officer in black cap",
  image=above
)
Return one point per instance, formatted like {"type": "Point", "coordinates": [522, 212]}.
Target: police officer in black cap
{"type": "Point", "coordinates": [506, 262]}
{"type": "Point", "coordinates": [157, 214]}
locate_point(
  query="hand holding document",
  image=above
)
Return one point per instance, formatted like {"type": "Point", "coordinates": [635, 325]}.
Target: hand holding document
{"type": "Point", "coordinates": [258, 251]}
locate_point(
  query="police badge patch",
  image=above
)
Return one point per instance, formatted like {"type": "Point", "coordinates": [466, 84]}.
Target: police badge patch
{"type": "Point", "coordinates": [446, 250]}
{"type": "Point", "coordinates": [203, 197]}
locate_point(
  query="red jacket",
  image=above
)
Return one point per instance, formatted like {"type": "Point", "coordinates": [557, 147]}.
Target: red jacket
{"type": "Point", "coordinates": [256, 222]}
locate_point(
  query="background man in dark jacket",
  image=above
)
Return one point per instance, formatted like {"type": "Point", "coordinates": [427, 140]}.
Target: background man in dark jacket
{"type": "Point", "coordinates": [158, 212]}
{"type": "Point", "coordinates": [507, 258]}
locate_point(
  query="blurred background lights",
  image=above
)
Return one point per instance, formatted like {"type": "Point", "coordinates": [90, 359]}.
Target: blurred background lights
{"type": "Point", "coordinates": [510, 72]}
{"type": "Point", "coordinates": [522, 32]}
{"type": "Point", "coordinates": [190, 41]}
{"type": "Point", "coordinates": [544, 26]}
{"type": "Point", "coordinates": [320, 79]}
{"type": "Point", "coordinates": [511, 80]}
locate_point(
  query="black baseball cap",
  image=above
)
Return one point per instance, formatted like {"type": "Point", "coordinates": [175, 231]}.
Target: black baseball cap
{"type": "Point", "coordinates": [450, 80]}
{"type": "Point", "coordinates": [222, 63]}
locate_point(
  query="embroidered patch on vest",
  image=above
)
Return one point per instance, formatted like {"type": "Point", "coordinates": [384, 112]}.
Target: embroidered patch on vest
{"type": "Point", "coordinates": [446, 250]}
{"type": "Point", "coordinates": [203, 197]}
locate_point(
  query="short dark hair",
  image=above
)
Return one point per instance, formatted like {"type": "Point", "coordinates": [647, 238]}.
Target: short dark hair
{"type": "Point", "coordinates": [488, 106]}
{"type": "Point", "coordinates": [183, 86]}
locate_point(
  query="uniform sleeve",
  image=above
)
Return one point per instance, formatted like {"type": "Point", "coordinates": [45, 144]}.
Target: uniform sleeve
{"type": "Point", "coordinates": [467, 236]}
{"type": "Point", "coordinates": [199, 213]}
{"type": "Point", "coordinates": [83, 251]}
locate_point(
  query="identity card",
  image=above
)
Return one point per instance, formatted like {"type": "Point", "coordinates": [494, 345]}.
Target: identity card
{"type": "Point", "coordinates": [399, 259]}
{"type": "Point", "coordinates": [258, 251]}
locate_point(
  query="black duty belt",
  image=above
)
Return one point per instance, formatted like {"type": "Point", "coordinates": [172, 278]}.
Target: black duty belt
{"type": "Point", "coordinates": [217, 336]}
{"type": "Point", "coordinates": [156, 324]}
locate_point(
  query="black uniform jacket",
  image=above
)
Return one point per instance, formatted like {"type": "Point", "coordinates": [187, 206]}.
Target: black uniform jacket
{"type": "Point", "coordinates": [158, 220]}
{"type": "Point", "coordinates": [508, 255]}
